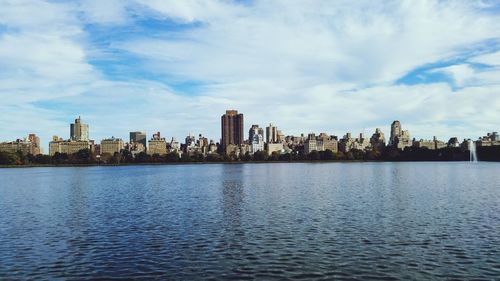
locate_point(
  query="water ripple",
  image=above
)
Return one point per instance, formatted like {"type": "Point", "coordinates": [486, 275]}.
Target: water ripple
{"type": "Point", "coordinates": [363, 221]}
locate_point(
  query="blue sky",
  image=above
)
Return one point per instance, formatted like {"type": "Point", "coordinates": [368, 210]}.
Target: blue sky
{"type": "Point", "coordinates": [306, 66]}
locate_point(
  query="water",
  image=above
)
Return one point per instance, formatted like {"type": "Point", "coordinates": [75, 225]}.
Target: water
{"type": "Point", "coordinates": [361, 221]}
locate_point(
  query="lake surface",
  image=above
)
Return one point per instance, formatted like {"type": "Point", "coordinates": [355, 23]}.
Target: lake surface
{"type": "Point", "coordinates": [252, 221]}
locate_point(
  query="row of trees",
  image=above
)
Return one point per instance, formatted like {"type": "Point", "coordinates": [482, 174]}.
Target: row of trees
{"type": "Point", "coordinates": [85, 157]}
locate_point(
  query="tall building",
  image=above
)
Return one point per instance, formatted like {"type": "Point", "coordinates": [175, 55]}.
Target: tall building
{"type": "Point", "coordinates": [79, 131]}
{"type": "Point", "coordinates": [257, 140]}
{"type": "Point", "coordinates": [157, 145]}
{"type": "Point", "coordinates": [396, 131]}
{"type": "Point", "coordinates": [346, 143]}
{"type": "Point", "coordinates": [174, 145]}
{"type": "Point", "coordinates": [190, 140]}
{"type": "Point", "coordinates": [399, 138]}
{"type": "Point", "coordinates": [377, 140]}
{"type": "Point", "coordinates": [311, 144]}
{"type": "Point", "coordinates": [361, 143]}
{"type": "Point", "coordinates": [327, 142]}
{"type": "Point", "coordinates": [202, 141]}
{"type": "Point", "coordinates": [255, 129]}
{"type": "Point", "coordinates": [79, 139]}
{"type": "Point", "coordinates": [272, 134]}
{"type": "Point", "coordinates": [138, 137]}
{"type": "Point", "coordinates": [232, 128]}
{"type": "Point", "coordinates": [35, 140]}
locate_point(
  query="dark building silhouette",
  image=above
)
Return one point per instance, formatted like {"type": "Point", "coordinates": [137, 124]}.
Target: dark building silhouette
{"type": "Point", "coordinates": [232, 128]}
{"type": "Point", "coordinates": [396, 131]}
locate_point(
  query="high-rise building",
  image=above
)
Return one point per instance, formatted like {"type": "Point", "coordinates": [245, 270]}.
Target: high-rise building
{"type": "Point", "coordinates": [138, 137]}
{"type": "Point", "coordinates": [79, 131]}
{"type": "Point", "coordinates": [311, 144]}
{"type": "Point", "coordinates": [255, 129]}
{"type": "Point", "coordinates": [399, 138]}
{"type": "Point", "coordinates": [396, 131]}
{"type": "Point", "coordinates": [326, 142]}
{"type": "Point", "coordinates": [34, 140]}
{"type": "Point", "coordinates": [232, 128]}
{"type": "Point", "coordinates": [190, 140]}
{"type": "Point", "coordinates": [377, 140]}
{"type": "Point", "coordinates": [202, 141]}
{"type": "Point", "coordinates": [271, 134]}
{"type": "Point", "coordinates": [174, 145]}
{"type": "Point", "coordinates": [257, 140]}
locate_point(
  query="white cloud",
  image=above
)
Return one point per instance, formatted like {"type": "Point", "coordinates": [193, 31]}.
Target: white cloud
{"type": "Point", "coordinates": [492, 59]}
{"type": "Point", "coordinates": [104, 12]}
{"type": "Point", "coordinates": [190, 10]}
{"type": "Point", "coordinates": [305, 66]}
{"type": "Point", "coordinates": [363, 42]}
{"type": "Point", "coordinates": [464, 75]}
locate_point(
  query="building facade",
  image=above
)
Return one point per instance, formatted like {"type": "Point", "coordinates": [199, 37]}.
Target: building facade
{"type": "Point", "coordinates": [138, 137]}
{"type": "Point", "coordinates": [272, 134]}
{"type": "Point", "coordinates": [29, 145]}
{"type": "Point", "coordinates": [79, 131]}
{"type": "Point", "coordinates": [232, 128]}
{"type": "Point", "coordinates": [257, 139]}
{"type": "Point", "coordinates": [377, 140]}
{"type": "Point", "coordinates": [58, 145]}
{"type": "Point", "coordinates": [399, 138]}
{"type": "Point", "coordinates": [396, 131]}
{"type": "Point", "coordinates": [489, 140]}
{"type": "Point", "coordinates": [311, 144]}
{"type": "Point", "coordinates": [327, 142]}
{"type": "Point", "coordinates": [274, 147]}
{"type": "Point", "coordinates": [157, 145]}
{"type": "Point", "coordinates": [111, 145]}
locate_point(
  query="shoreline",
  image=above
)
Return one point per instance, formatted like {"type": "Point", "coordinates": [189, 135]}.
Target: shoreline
{"type": "Point", "coordinates": [209, 163]}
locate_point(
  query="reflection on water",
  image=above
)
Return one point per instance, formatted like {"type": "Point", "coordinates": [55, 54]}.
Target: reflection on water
{"type": "Point", "coordinates": [256, 221]}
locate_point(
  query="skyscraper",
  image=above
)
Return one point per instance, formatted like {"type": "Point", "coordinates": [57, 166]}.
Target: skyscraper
{"type": "Point", "coordinates": [232, 128]}
{"type": "Point", "coordinates": [138, 137]}
{"type": "Point", "coordinates": [399, 138]}
{"type": "Point", "coordinates": [79, 131]}
{"type": "Point", "coordinates": [257, 141]}
{"type": "Point", "coordinates": [396, 131]}
{"type": "Point", "coordinates": [271, 134]}
{"type": "Point", "coordinates": [255, 129]}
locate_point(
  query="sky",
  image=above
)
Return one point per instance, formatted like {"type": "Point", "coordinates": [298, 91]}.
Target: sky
{"type": "Point", "coordinates": [306, 66]}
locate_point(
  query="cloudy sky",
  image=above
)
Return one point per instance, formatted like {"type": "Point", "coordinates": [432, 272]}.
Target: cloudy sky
{"type": "Point", "coordinates": [307, 66]}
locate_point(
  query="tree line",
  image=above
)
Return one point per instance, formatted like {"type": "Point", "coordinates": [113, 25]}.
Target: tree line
{"type": "Point", "coordinates": [85, 157]}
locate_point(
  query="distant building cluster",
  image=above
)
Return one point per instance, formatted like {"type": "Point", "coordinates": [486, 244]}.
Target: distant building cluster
{"type": "Point", "coordinates": [269, 140]}
{"type": "Point", "coordinates": [79, 139]}
{"type": "Point", "coordinates": [28, 145]}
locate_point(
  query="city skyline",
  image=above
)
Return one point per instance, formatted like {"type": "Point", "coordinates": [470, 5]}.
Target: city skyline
{"type": "Point", "coordinates": [233, 130]}
{"type": "Point", "coordinates": [127, 136]}
{"type": "Point", "coordinates": [170, 65]}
